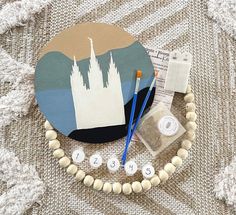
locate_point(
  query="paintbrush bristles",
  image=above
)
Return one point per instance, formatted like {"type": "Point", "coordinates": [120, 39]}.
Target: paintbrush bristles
{"type": "Point", "coordinates": [139, 74]}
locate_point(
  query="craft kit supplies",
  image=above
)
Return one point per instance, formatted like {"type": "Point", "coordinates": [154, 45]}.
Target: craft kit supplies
{"type": "Point", "coordinates": [95, 160]}
{"type": "Point", "coordinates": [131, 167]}
{"type": "Point", "coordinates": [138, 76]}
{"type": "Point", "coordinates": [148, 171]}
{"type": "Point", "coordinates": [178, 71]}
{"type": "Point", "coordinates": [113, 164]}
{"type": "Point", "coordinates": [158, 129]}
{"type": "Point", "coordinates": [78, 156]}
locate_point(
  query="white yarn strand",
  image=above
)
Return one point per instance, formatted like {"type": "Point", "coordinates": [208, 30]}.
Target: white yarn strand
{"type": "Point", "coordinates": [23, 183]}
{"type": "Point", "coordinates": [15, 103]}
{"type": "Point", "coordinates": [18, 12]}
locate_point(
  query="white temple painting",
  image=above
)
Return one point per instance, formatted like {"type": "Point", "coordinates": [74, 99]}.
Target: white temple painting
{"type": "Point", "coordinates": [98, 105]}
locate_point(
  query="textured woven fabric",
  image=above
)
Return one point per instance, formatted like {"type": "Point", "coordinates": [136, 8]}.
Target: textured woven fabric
{"type": "Point", "coordinates": [166, 24]}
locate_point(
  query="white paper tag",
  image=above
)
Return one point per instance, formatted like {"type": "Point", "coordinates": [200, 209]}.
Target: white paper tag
{"type": "Point", "coordinates": [95, 161]}
{"type": "Point", "coordinates": [148, 171]}
{"type": "Point", "coordinates": [168, 125]}
{"type": "Point", "coordinates": [78, 156]}
{"type": "Point", "coordinates": [113, 164]}
{"type": "Point", "coordinates": [131, 168]}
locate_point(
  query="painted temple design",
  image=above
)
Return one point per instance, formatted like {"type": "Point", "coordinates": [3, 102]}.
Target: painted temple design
{"type": "Point", "coordinates": [97, 105]}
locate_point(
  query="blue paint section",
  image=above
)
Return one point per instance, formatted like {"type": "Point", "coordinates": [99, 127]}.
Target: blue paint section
{"type": "Point", "coordinates": [57, 105]}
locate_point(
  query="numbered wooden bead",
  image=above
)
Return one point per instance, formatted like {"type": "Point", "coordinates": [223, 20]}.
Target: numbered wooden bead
{"type": "Point", "coordinates": [58, 153]}
{"type": "Point", "coordinates": [189, 97]}
{"type": "Point", "coordinates": [51, 135]}
{"type": "Point", "coordinates": [113, 164]}
{"type": "Point", "coordinates": [146, 184]}
{"type": "Point", "coordinates": [182, 153]}
{"type": "Point", "coordinates": [190, 107]}
{"type": "Point", "coordinates": [64, 162]}
{"type": "Point", "coordinates": [116, 187]}
{"type": "Point", "coordinates": [137, 187]}
{"type": "Point", "coordinates": [80, 175]}
{"type": "Point", "coordinates": [54, 144]}
{"type": "Point", "coordinates": [189, 89]}
{"type": "Point", "coordinates": [127, 189]}
{"type": "Point", "coordinates": [98, 184]}
{"type": "Point", "coordinates": [163, 175]}
{"type": "Point", "coordinates": [176, 161]}
{"type": "Point", "coordinates": [107, 187]}
{"type": "Point", "coordinates": [72, 169]}
{"type": "Point", "coordinates": [155, 180]}
{"type": "Point", "coordinates": [78, 156]}
{"type": "Point", "coordinates": [148, 171]}
{"type": "Point", "coordinates": [191, 116]}
{"type": "Point", "coordinates": [131, 168]}
{"type": "Point", "coordinates": [169, 168]}
{"type": "Point", "coordinates": [186, 144]}
{"type": "Point", "coordinates": [88, 180]}
{"type": "Point", "coordinates": [191, 126]}
{"type": "Point", "coordinates": [47, 125]}
{"type": "Point", "coordinates": [95, 161]}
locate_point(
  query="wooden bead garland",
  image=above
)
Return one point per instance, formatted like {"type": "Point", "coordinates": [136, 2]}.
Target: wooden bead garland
{"type": "Point", "coordinates": [136, 187]}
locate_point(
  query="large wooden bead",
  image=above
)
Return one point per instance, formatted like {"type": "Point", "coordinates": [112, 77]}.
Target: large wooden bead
{"type": "Point", "coordinates": [191, 135]}
{"type": "Point", "coordinates": [191, 116]}
{"type": "Point", "coordinates": [58, 153]}
{"type": "Point", "coordinates": [176, 161]}
{"type": "Point", "coordinates": [137, 187]}
{"type": "Point", "coordinates": [182, 153]}
{"type": "Point", "coordinates": [126, 188]}
{"type": "Point", "coordinates": [189, 97]}
{"type": "Point", "coordinates": [72, 169]}
{"type": "Point", "coordinates": [155, 180]}
{"type": "Point", "coordinates": [80, 175]}
{"type": "Point", "coordinates": [88, 180]}
{"type": "Point", "coordinates": [191, 126]}
{"type": "Point", "coordinates": [107, 187]}
{"type": "Point", "coordinates": [163, 175]}
{"type": "Point", "coordinates": [47, 125]}
{"type": "Point", "coordinates": [169, 168]}
{"type": "Point", "coordinates": [54, 144]}
{"type": "Point", "coordinates": [190, 107]}
{"type": "Point", "coordinates": [116, 187]}
{"type": "Point", "coordinates": [189, 89]}
{"type": "Point", "coordinates": [146, 184]}
{"type": "Point", "coordinates": [64, 162]}
{"type": "Point", "coordinates": [98, 184]}
{"type": "Point", "coordinates": [51, 135]}
{"type": "Point", "coordinates": [186, 144]}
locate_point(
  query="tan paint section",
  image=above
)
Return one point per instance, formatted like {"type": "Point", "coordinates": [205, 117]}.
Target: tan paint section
{"type": "Point", "coordinates": [74, 41]}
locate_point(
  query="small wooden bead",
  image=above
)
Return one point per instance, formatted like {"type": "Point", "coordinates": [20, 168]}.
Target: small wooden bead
{"type": "Point", "coordinates": [64, 162]}
{"type": "Point", "coordinates": [47, 125]}
{"type": "Point", "coordinates": [191, 116]}
{"type": "Point", "coordinates": [58, 153]}
{"type": "Point", "coordinates": [182, 153]}
{"type": "Point", "coordinates": [169, 168]}
{"type": "Point", "coordinates": [176, 161]}
{"type": "Point", "coordinates": [127, 188]}
{"type": "Point", "coordinates": [54, 144]}
{"type": "Point", "coordinates": [146, 184]}
{"type": "Point", "coordinates": [191, 126]}
{"type": "Point", "coordinates": [189, 97]}
{"type": "Point", "coordinates": [190, 135]}
{"type": "Point", "coordinates": [163, 175]}
{"type": "Point", "coordinates": [80, 175]}
{"type": "Point", "coordinates": [116, 187]}
{"type": "Point", "coordinates": [137, 187]}
{"type": "Point", "coordinates": [189, 89]}
{"type": "Point", "coordinates": [98, 184]}
{"type": "Point", "coordinates": [107, 187]}
{"type": "Point", "coordinates": [190, 107]}
{"type": "Point", "coordinates": [51, 135]}
{"type": "Point", "coordinates": [186, 144]}
{"type": "Point", "coordinates": [72, 169]}
{"type": "Point", "coordinates": [155, 180]}
{"type": "Point", "coordinates": [88, 180]}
